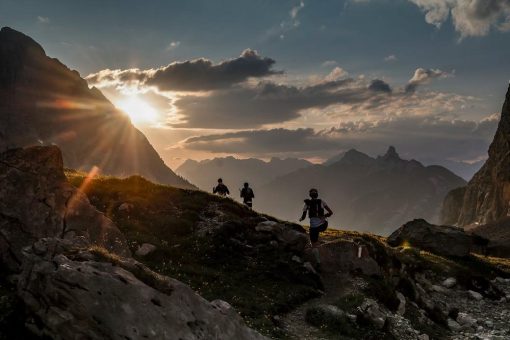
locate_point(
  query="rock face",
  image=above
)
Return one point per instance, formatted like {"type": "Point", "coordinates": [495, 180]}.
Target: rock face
{"type": "Point", "coordinates": [44, 102]}
{"type": "Point", "coordinates": [441, 240]}
{"type": "Point", "coordinates": [77, 296]}
{"type": "Point", "coordinates": [75, 274]}
{"type": "Point", "coordinates": [36, 201]}
{"type": "Point", "coordinates": [486, 197]}
{"type": "Point", "coordinates": [341, 256]}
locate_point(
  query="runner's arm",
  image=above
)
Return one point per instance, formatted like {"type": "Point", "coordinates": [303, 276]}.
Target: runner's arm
{"type": "Point", "coordinates": [303, 216]}
{"type": "Point", "coordinates": [330, 212]}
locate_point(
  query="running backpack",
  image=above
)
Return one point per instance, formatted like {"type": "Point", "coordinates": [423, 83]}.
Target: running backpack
{"type": "Point", "coordinates": [315, 208]}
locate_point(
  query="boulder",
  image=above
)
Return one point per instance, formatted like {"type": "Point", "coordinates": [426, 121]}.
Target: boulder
{"type": "Point", "coordinates": [466, 320]}
{"type": "Point", "coordinates": [76, 294]}
{"type": "Point", "coordinates": [294, 240]}
{"type": "Point", "coordinates": [449, 282]}
{"type": "Point", "coordinates": [440, 240]}
{"type": "Point", "coordinates": [37, 201]}
{"type": "Point", "coordinates": [401, 310]}
{"type": "Point", "coordinates": [454, 325]}
{"type": "Point", "coordinates": [342, 256]}
{"type": "Point", "coordinates": [372, 312]}
{"type": "Point", "coordinates": [329, 315]}
{"type": "Point", "coordinates": [475, 295]}
{"type": "Point", "coordinates": [127, 207]}
{"type": "Point", "coordinates": [145, 249]}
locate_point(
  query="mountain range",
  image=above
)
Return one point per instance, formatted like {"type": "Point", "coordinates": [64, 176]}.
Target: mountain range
{"type": "Point", "coordinates": [235, 171]}
{"type": "Point", "coordinates": [368, 194]}
{"type": "Point", "coordinates": [46, 103]}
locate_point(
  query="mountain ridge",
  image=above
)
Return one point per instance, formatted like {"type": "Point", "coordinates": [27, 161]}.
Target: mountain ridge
{"type": "Point", "coordinates": [45, 103]}
{"type": "Point", "coordinates": [367, 194]}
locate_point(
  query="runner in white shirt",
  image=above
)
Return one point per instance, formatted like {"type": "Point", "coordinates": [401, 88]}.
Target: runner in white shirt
{"type": "Point", "coordinates": [318, 220]}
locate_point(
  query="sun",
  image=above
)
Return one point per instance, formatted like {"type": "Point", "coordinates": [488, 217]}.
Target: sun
{"type": "Point", "coordinates": [138, 110]}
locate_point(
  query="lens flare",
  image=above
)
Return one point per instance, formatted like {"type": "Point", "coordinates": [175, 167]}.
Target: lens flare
{"type": "Point", "coordinates": [138, 110]}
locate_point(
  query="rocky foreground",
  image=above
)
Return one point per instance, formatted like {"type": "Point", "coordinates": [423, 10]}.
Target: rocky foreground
{"type": "Point", "coordinates": [107, 258]}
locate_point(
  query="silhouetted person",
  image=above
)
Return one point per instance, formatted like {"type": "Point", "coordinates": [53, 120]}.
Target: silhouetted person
{"type": "Point", "coordinates": [318, 220]}
{"type": "Point", "coordinates": [221, 189]}
{"type": "Point", "coordinates": [247, 195]}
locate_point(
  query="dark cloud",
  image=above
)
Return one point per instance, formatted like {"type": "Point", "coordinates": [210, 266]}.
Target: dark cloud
{"type": "Point", "coordinates": [192, 75]}
{"type": "Point", "coordinates": [261, 141]}
{"type": "Point", "coordinates": [379, 86]}
{"type": "Point", "coordinates": [269, 103]}
{"type": "Point", "coordinates": [457, 139]}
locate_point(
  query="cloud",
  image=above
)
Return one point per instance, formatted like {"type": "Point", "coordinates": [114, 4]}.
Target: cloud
{"type": "Point", "coordinates": [270, 103]}
{"type": "Point", "coordinates": [470, 17]}
{"type": "Point", "coordinates": [424, 76]}
{"type": "Point", "coordinates": [336, 74]}
{"type": "Point", "coordinates": [260, 141]}
{"type": "Point", "coordinates": [287, 25]}
{"type": "Point", "coordinates": [193, 75]}
{"type": "Point", "coordinates": [459, 139]}
{"type": "Point", "coordinates": [295, 10]}
{"type": "Point", "coordinates": [43, 20]}
{"type": "Point", "coordinates": [329, 63]}
{"type": "Point", "coordinates": [173, 45]}
{"type": "Point", "coordinates": [391, 57]}
{"type": "Point", "coordinates": [378, 85]}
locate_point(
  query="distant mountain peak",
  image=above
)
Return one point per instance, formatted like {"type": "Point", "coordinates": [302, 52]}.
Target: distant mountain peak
{"type": "Point", "coordinates": [354, 156]}
{"type": "Point", "coordinates": [391, 155]}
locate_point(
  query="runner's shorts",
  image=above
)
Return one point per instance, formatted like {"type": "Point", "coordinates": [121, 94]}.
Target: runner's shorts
{"type": "Point", "coordinates": [314, 232]}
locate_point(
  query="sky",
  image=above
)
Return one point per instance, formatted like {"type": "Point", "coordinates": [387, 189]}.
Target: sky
{"type": "Point", "coordinates": [308, 79]}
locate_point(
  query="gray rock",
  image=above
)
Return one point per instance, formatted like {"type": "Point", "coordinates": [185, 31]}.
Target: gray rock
{"type": "Point", "coordinates": [268, 226]}
{"type": "Point", "coordinates": [454, 325]}
{"type": "Point", "coordinates": [449, 282]}
{"type": "Point", "coordinates": [441, 240]}
{"type": "Point", "coordinates": [402, 303]}
{"type": "Point", "coordinates": [145, 249]}
{"type": "Point", "coordinates": [475, 295]}
{"type": "Point", "coordinates": [126, 207]}
{"type": "Point", "coordinates": [96, 299]}
{"type": "Point", "coordinates": [439, 289]}
{"type": "Point", "coordinates": [37, 201]}
{"type": "Point", "coordinates": [308, 266]}
{"type": "Point", "coordinates": [466, 320]}
{"type": "Point", "coordinates": [291, 239]}
{"type": "Point", "coordinates": [341, 256]}
{"type": "Point", "coordinates": [372, 312]}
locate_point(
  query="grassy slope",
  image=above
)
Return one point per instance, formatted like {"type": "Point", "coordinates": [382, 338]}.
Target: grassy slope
{"type": "Point", "coordinates": [259, 280]}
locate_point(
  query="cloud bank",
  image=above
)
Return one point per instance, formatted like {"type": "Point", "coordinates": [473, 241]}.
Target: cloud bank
{"type": "Point", "coordinates": [470, 18]}
{"type": "Point", "coordinates": [192, 75]}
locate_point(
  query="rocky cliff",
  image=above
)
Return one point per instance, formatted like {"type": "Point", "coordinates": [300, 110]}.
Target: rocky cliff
{"type": "Point", "coordinates": [486, 197]}
{"type": "Point", "coordinates": [42, 102]}
{"type": "Point", "coordinates": [73, 270]}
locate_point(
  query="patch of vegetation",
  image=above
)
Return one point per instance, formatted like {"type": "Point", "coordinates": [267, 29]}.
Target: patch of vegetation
{"type": "Point", "coordinates": [230, 264]}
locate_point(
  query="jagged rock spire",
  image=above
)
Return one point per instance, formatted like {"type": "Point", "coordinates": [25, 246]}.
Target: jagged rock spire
{"type": "Point", "coordinates": [486, 198]}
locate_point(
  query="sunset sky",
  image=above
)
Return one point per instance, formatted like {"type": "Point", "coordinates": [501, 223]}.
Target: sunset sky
{"type": "Point", "coordinates": [310, 79]}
